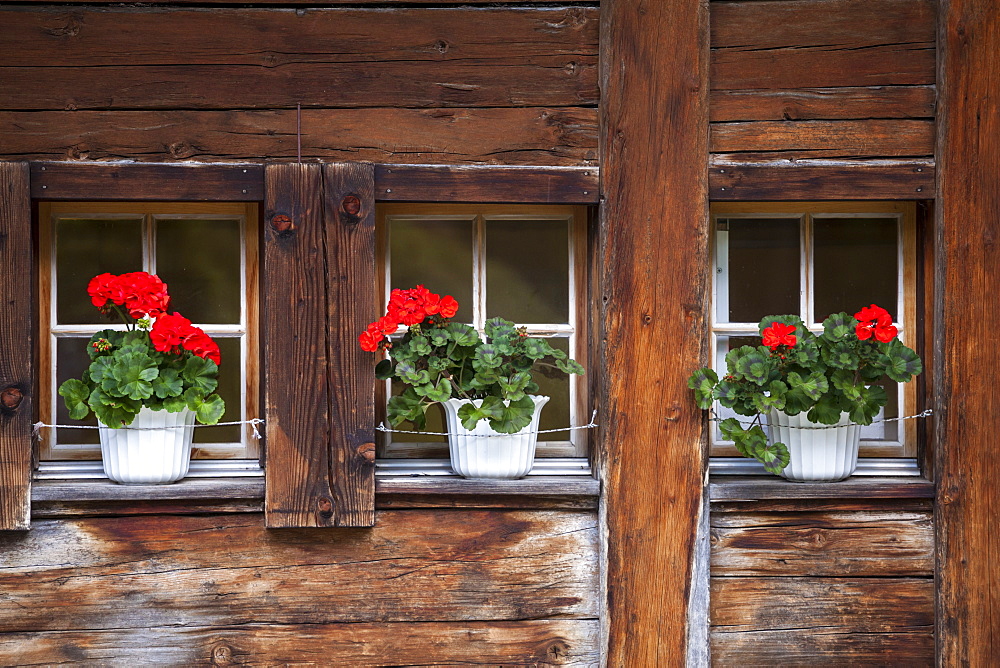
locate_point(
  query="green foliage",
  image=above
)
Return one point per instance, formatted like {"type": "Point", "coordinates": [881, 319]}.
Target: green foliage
{"type": "Point", "coordinates": [823, 375]}
{"type": "Point", "coordinates": [127, 373]}
{"type": "Point", "coordinates": [438, 360]}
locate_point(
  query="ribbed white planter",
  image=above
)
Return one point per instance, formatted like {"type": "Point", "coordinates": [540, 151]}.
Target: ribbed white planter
{"type": "Point", "coordinates": [482, 452]}
{"type": "Point", "coordinates": [146, 453]}
{"type": "Point", "coordinates": [816, 455]}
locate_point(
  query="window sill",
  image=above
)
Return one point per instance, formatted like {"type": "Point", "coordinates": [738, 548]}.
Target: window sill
{"type": "Point", "coordinates": [772, 488]}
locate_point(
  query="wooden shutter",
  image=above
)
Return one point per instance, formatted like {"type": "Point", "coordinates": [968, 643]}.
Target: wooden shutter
{"type": "Point", "coordinates": [318, 285]}
{"type": "Point", "coordinates": [16, 353]}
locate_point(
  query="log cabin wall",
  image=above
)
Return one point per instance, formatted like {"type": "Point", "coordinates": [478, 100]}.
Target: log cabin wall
{"type": "Point", "coordinates": [833, 86]}
{"type": "Point", "coordinates": [503, 582]}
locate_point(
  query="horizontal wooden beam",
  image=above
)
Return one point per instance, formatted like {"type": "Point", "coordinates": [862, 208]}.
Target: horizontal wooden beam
{"type": "Point", "coordinates": [815, 180]}
{"type": "Point", "coordinates": [749, 488]}
{"type": "Point", "coordinates": [527, 185]}
{"type": "Point", "coordinates": [145, 181]}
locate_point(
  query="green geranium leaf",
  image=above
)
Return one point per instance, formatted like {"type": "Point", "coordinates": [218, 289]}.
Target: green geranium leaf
{"type": "Point", "coordinates": [754, 366]}
{"type": "Point", "coordinates": [903, 363]}
{"type": "Point", "coordinates": [491, 408]}
{"type": "Point", "coordinates": [774, 456]}
{"type": "Point", "coordinates": [513, 388]}
{"type": "Point", "coordinates": [514, 417]}
{"type": "Point", "coordinates": [100, 369]}
{"type": "Point", "coordinates": [420, 345]}
{"type": "Point", "coordinates": [703, 382]}
{"type": "Point", "coordinates": [805, 353]}
{"type": "Point", "coordinates": [211, 409]}
{"type": "Point", "coordinates": [409, 374]}
{"type": "Point", "coordinates": [168, 384]}
{"type": "Point", "coordinates": [872, 400]}
{"type": "Point", "coordinates": [838, 327]}
{"type": "Point", "coordinates": [536, 349]}
{"type": "Point", "coordinates": [383, 370]}
{"type": "Point", "coordinates": [113, 411]}
{"type": "Point", "coordinates": [407, 406]}
{"type": "Point", "coordinates": [487, 357]}
{"type": "Point", "coordinates": [75, 394]}
{"type": "Point", "coordinates": [175, 404]}
{"type": "Point", "coordinates": [462, 335]}
{"type": "Point", "coordinates": [498, 327]}
{"type": "Point", "coordinates": [133, 373]}
{"type": "Point", "coordinates": [812, 386]}
{"type": "Point", "coordinates": [200, 373]}
{"type": "Point", "coordinates": [439, 392]}
{"type": "Point", "coordinates": [438, 336]}
{"type": "Point", "coordinates": [568, 365]}
{"type": "Point", "coordinates": [841, 355]}
{"type": "Point", "coordinates": [826, 411]}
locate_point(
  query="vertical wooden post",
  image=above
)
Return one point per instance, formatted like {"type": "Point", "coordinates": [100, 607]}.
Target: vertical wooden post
{"type": "Point", "coordinates": [16, 338]}
{"type": "Point", "coordinates": [293, 282]}
{"type": "Point", "coordinates": [349, 216]}
{"type": "Point", "coordinates": [654, 235]}
{"type": "Point", "coordinates": [967, 467]}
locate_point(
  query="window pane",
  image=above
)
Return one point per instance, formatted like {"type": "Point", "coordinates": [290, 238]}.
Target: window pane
{"type": "Point", "coordinates": [230, 389]}
{"type": "Point", "coordinates": [86, 247]}
{"type": "Point", "coordinates": [527, 270]}
{"type": "Point", "coordinates": [856, 264]}
{"type": "Point", "coordinates": [436, 254]}
{"type": "Point", "coordinates": [199, 260]}
{"type": "Point", "coordinates": [71, 361]}
{"type": "Point", "coordinates": [555, 413]}
{"type": "Point", "coordinates": [758, 268]}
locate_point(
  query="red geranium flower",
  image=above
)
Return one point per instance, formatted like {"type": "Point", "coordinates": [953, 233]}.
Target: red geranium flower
{"type": "Point", "coordinates": [406, 307]}
{"type": "Point", "coordinates": [202, 345]}
{"type": "Point", "coordinates": [169, 331]}
{"type": "Point", "coordinates": [874, 320]}
{"type": "Point", "coordinates": [779, 334]}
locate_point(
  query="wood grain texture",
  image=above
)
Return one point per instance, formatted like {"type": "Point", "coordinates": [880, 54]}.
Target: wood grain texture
{"type": "Point", "coordinates": [772, 488]}
{"type": "Point", "coordinates": [275, 58]}
{"type": "Point", "coordinates": [349, 221]}
{"type": "Point", "coordinates": [526, 185]}
{"type": "Point", "coordinates": [148, 182]}
{"type": "Point", "coordinates": [826, 139]}
{"type": "Point", "coordinates": [823, 648]}
{"type": "Point", "coordinates": [968, 272]}
{"type": "Point", "coordinates": [551, 642]}
{"type": "Point", "coordinates": [296, 395]}
{"type": "Point", "coordinates": [833, 180]}
{"type": "Point", "coordinates": [800, 605]}
{"type": "Point", "coordinates": [16, 335]}
{"type": "Point", "coordinates": [834, 544]}
{"type": "Point", "coordinates": [822, 103]}
{"type": "Point", "coordinates": [529, 136]}
{"type": "Point", "coordinates": [653, 240]}
{"type": "Point", "coordinates": [224, 571]}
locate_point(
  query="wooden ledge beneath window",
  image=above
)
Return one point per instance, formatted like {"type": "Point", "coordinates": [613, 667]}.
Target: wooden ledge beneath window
{"type": "Point", "coordinates": [772, 488]}
{"type": "Point", "coordinates": [195, 496]}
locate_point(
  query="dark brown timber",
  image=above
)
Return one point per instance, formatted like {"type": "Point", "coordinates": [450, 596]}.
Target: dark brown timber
{"type": "Point", "coordinates": [653, 237]}
{"type": "Point", "coordinates": [527, 185]}
{"type": "Point", "coordinates": [349, 219]}
{"type": "Point", "coordinates": [835, 180]}
{"type": "Point", "coordinates": [968, 273]}
{"type": "Point", "coordinates": [150, 182]}
{"type": "Point", "coordinates": [296, 396]}
{"type": "Point", "coordinates": [16, 337]}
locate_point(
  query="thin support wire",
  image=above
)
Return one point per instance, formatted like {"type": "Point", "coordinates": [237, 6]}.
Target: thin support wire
{"type": "Point", "coordinates": [590, 425]}
{"type": "Point", "coordinates": [38, 426]}
{"type": "Point", "coordinates": [923, 414]}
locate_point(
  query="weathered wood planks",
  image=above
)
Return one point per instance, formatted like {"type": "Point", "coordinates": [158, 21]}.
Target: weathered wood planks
{"type": "Point", "coordinates": [549, 642]}
{"type": "Point", "coordinates": [221, 571]}
{"type": "Point", "coordinates": [821, 179]}
{"type": "Point", "coordinates": [653, 243]}
{"type": "Point", "coordinates": [526, 185]}
{"type": "Point", "coordinates": [16, 354]}
{"type": "Point", "coordinates": [274, 58]}
{"type": "Point", "coordinates": [966, 399]}
{"type": "Point", "coordinates": [823, 647]}
{"type": "Point", "coordinates": [148, 182]}
{"type": "Point", "coordinates": [521, 135]}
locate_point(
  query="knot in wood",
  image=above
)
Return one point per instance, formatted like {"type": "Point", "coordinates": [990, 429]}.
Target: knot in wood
{"type": "Point", "coordinates": [11, 398]}
{"type": "Point", "coordinates": [282, 222]}
{"type": "Point", "coordinates": [367, 452]}
{"type": "Point", "coordinates": [325, 506]}
{"type": "Point", "coordinates": [222, 655]}
{"type": "Point", "coordinates": [351, 204]}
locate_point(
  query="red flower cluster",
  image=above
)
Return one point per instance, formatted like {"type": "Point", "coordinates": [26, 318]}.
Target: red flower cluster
{"type": "Point", "coordinates": [171, 332]}
{"type": "Point", "coordinates": [874, 320]}
{"type": "Point", "coordinates": [406, 307]}
{"type": "Point", "coordinates": [142, 294]}
{"type": "Point", "coordinates": [779, 334]}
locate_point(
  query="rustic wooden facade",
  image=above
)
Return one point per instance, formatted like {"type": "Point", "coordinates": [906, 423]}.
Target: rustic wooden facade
{"type": "Point", "coordinates": [643, 110]}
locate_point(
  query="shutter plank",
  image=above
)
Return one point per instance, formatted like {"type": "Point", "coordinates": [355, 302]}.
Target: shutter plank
{"type": "Point", "coordinates": [16, 333]}
{"type": "Point", "coordinates": [297, 491]}
{"type": "Point", "coordinates": [349, 215]}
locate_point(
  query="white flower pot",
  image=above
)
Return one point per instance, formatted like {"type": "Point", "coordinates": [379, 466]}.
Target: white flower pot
{"type": "Point", "coordinates": [482, 452]}
{"type": "Point", "coordinates": [155, 449]}
{"type": "Point", "coordinates": [816, 455]}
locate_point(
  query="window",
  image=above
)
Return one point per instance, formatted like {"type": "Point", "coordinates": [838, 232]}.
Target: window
{"type": "Point", "coordinates": [205, 252]}
{"type": "Point", "coordinates": [524, 263]}
{"type": "Point", "coordinates": [813, 259]}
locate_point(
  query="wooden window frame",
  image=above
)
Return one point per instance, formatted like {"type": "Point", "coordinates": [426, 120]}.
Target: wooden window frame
{"type": "Point", "coordinates": [247, 329]}
{"type": "Point", "coordinates": [576, 445]}
{"type": "Point", "coordinates": [908, 288]}
{"type": "Point", "coordinates": [319, 454]}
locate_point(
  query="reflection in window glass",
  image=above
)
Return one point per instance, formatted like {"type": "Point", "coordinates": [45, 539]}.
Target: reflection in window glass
{"type": "Point", "coordinates": [758, 268]}
{"type": "Point", "coordinates": [199, 260]}
{"type": "Point", "coordinates": [86, 247]}
{"type": "Point", "coordinates": [856, 264]}
{"type": "Point", "coordinates": [527, 270]}
{"type": "Point", "coordinates": [434, 253]}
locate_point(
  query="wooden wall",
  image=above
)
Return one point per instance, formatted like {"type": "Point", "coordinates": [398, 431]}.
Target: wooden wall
{"type": "Point", "coordinates": [422, 587]}
{"type": "Point", "coordinates": [820, 583]}
{"type": "Point", "coordinates": [506, 85]}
